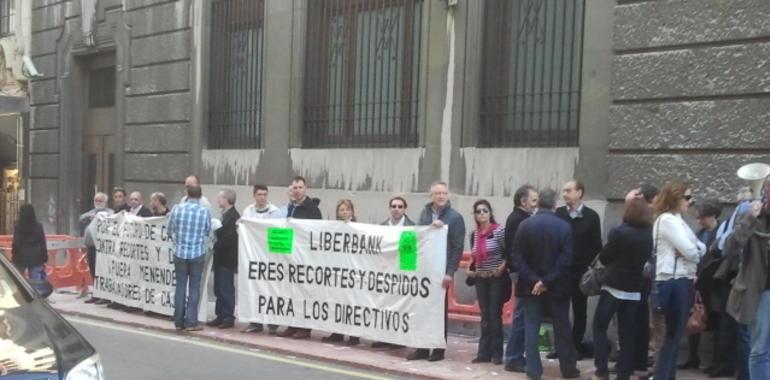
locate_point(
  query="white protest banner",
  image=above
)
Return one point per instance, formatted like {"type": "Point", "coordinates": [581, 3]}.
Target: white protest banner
{"type": "Point", "coordinates": [135, 262]}
{"type": "Point", "coordinates": [377, 282]}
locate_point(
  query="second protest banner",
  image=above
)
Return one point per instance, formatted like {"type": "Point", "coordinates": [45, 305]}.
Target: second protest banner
{"type": "Point", "coordinates": [377, 282]}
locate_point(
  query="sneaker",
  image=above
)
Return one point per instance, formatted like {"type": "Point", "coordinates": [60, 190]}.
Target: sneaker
{"type": "Point", "coordinates": [214, 322]}
{"type": "Point", "coordinates": [480, 360]}
{"type": "Point", "coordinates": [194, 328]}
{"type": "Point", "coordinates": [227, 325]}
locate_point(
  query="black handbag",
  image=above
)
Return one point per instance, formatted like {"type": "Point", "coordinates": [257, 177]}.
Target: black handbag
{"type": "Point", "coordinates": [590, 282]}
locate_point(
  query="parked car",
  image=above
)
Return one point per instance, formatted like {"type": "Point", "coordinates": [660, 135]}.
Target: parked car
{"type": "Point", "coordinates": [36, 343]}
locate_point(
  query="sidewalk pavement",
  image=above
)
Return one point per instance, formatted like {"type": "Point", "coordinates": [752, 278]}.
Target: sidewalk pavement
{"type": "Point", "coordinates": [457, 365]}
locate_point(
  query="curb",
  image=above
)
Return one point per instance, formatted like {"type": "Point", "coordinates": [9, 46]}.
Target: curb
{"type": "Point", "coordinates": [336, 360]}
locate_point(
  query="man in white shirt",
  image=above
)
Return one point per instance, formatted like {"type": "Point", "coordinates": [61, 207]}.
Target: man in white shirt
{"type": "Point", "coordinates": [398, 215]}
{"type": "Point", "coordinates": [261, 209]}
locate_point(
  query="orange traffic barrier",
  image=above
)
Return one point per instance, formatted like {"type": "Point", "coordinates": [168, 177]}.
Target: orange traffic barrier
{"type": "Point", "coordinates": [67, 263]}
{"type": "Point", "coordinates": [469, 312]}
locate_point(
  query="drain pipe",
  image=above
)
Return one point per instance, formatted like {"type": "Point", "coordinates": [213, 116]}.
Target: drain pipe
{"type": "Point", "coordinates": [446, 119]}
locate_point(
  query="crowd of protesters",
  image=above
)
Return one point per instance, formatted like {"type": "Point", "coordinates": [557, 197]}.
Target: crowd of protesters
{"type": "Point", "coordinates": [655, 268]}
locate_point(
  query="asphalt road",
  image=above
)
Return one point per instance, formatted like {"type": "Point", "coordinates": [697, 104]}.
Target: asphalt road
{"type": "Point", "coordinates": [131, 353]}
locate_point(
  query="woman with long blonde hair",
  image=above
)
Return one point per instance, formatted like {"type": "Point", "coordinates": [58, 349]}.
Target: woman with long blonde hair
{"type": "Point", "coordinates": [678, 252]}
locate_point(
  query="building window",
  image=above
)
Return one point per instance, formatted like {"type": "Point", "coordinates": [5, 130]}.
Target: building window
{"type": "Point", "coordinates": [235, 98]}
{"type": "Point", "coordinates": [532, 53]}
{"type": "Point", "coordinates": [101, 88]}
{"type": "Point", "coordinates": [6, 17]}
{"type": "Point", "coordinates": [362, 73]}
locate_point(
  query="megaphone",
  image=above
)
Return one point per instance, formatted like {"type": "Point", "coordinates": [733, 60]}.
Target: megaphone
{"type": "Point", "coordinates": [755, 174]}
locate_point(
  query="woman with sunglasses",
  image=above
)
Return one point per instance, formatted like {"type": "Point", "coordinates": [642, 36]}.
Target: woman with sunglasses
{"type": "Point", "coordinates": [678, 252]}
{"type": "Point", "coordinates": [488, 252]}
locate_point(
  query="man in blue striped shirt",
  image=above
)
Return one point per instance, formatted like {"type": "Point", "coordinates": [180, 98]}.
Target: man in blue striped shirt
{"type": "Point", "coordinates": [188, 227]}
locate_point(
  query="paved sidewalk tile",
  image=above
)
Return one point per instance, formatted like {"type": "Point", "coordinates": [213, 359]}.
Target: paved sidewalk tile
{"type": "Point", "coordinates": [460, 350]}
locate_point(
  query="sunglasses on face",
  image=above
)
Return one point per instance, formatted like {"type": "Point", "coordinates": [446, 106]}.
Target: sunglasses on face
{"type": "Point", "coordinates": [482, 211]}
{"type": "Point", "coordinates": [687, 197]}
{"type": "Point", "coordinates": [397, 206]}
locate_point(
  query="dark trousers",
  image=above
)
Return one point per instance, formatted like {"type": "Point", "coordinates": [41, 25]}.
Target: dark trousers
{"type": "Point", "coordinates": [91, 257]}
{"type": "Point", "coordinates": [534, 307]}
{"type": "Point", "coordinates": [642, 330]}
{"type": "Point", "coordinates": [579, 314]}
{"type": "Point", "coordinates": [224, 290]}
{"type": "Point", "coordinates": [627, 324]}
{"type": "Point", "coordinates": [489, 292]}
{"type": "Point", "coordinates": [676, 319]}
{"type": "Point", "coordinates": [446, 321]}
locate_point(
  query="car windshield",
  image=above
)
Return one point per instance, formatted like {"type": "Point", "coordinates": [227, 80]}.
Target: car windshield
{"type": "Point", "coordinates": [12, 294]}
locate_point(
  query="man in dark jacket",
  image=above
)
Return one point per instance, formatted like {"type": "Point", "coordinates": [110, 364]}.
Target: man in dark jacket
{"type": "Point", "coordinates": [439, 213]}
{"type": "Point", "coordinates": [301, 207]}
{"type": "Point", "coordinates": [749, 301]}
{"type": "Point", "coordinates": [225, 261]}
{"type": "Point", "coordinates": [586, 244]}
{"type": "Point", "coordinates": [543, 253]}
{"type": "Point", "coordinates": [119, 200]}
{"type": "Point", "coordinates": [398, 215]}
{"type": "Point", "coordinates": [136, 205]}
{"type": "Point", "coordinates": [525, 203]}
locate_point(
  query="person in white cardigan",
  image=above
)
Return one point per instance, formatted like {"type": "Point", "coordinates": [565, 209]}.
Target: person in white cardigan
{"type": "Point", "coordinates": [678, 252]}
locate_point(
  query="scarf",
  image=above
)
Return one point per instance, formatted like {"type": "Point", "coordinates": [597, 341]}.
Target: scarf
{"type": "Point", "coordinates": [481, 243]}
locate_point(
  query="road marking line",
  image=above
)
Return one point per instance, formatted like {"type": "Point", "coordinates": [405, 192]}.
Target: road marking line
{"type": "Point", "coordinates": [275, 358]}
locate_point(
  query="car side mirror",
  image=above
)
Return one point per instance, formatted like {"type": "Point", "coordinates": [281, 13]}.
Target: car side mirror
{"type": "Point", "coordinates": [43, 288]}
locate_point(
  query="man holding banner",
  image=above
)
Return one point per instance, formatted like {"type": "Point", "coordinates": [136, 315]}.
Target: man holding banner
{"type": "Point", "coordinates": [189, 226]}
{"type": "Point", "coordinates": [439, 213]}
{"type": "Point", "coordinates": [302, 207]}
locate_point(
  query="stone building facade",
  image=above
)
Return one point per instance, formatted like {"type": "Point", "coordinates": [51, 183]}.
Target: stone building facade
{"type": "Point", "coordinates": [134, 94]}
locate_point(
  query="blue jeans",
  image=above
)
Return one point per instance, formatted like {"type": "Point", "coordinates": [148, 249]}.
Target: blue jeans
{"type": "Point", "coordinates": [759, 359]}
{"type": "Point", "coordinates": [33, 273]}
{"type": "Point", "coordinates": [744, 347]}
{"type": "Point", "coordinates": [627, 324]}
{"type": "Point", "coordinates": [514, 350]}
{"type": "Point", "coordinates": [676, 313]}
{"type": "Point", "coordinates": [533, 313]}
{"type": "Point", "coordinates": [224, 290]}
{"type": "Point", "coordinates": [187, 270]}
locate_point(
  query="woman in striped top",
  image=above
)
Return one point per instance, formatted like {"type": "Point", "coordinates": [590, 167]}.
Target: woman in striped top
{"type": "Point", "coordinates": [488, 249]}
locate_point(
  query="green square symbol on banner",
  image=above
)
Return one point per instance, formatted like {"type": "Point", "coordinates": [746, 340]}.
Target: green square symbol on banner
{"type": "Point", "coordinates": [280, 240]}
{"type": "Point", "coordinates": [407, 251]}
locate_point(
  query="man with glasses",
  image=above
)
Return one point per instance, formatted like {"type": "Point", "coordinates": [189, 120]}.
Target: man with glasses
{"type": "Point", "coordinates": [398, 218]}
{"type": "Point", "coordinates": [398, 215]}
{"type": "Point", "coordinates": [439, 213]}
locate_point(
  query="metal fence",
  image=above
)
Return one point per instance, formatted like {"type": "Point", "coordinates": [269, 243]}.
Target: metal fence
{"type": "Point", "coordinates": [235, 98]}
{"type": "Point", "coordinates": [532, 53]}
{"type": "Point", "coordinates": [362, 73]}
{"type": "Point", "coordinates": [6, 17]}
